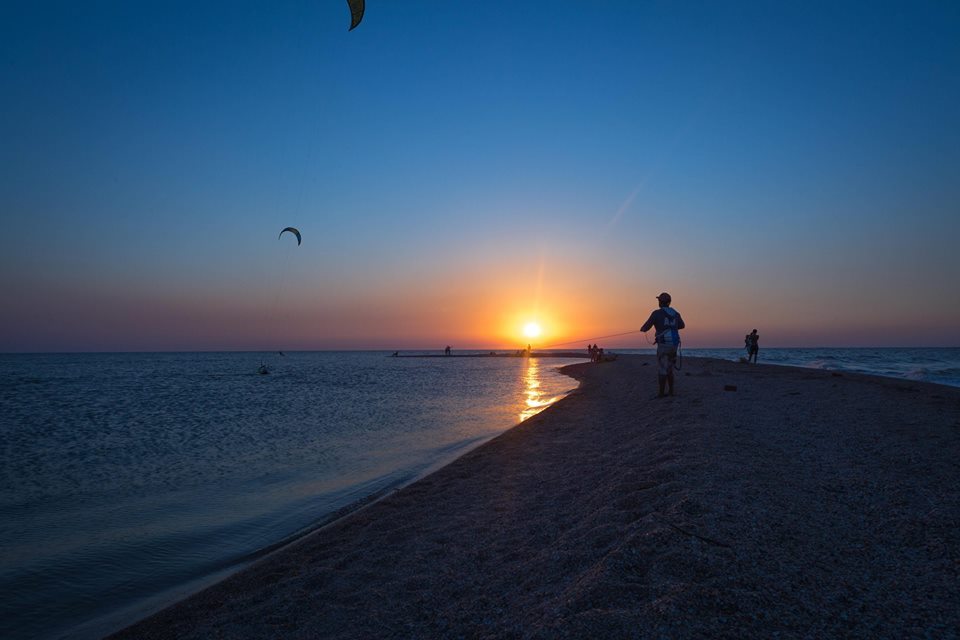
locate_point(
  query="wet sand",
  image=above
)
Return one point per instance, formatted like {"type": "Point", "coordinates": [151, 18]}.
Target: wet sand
{"type": "Point", "coordinates": [802, 504]}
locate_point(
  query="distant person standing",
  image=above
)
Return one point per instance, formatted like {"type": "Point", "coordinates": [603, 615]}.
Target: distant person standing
{"type": "Point", "coordinates": [667, 322]}
{"type": "Point", "coordinates": [446, 351]}
{"type": "Point", "coordinates": [753, 346]}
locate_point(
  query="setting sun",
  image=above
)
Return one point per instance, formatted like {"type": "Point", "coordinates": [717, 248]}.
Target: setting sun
{"type": "Point", "coordinates": [531, 330]}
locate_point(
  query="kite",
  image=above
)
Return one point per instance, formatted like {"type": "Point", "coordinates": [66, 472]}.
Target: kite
{"type": "Point", "coordinates": [293, 231]}
{"type": "Point", "coordinates": [356, 13]}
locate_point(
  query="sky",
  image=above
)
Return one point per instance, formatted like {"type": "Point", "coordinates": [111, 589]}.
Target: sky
{"type": "Point", "coordinates": [459, 169]}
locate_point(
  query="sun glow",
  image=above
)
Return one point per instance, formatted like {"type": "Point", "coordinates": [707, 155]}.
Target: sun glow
{"type": "Point", "coordinates": [531, 330]}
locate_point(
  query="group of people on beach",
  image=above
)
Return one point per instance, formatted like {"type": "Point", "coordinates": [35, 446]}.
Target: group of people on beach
{"type": "Point", "coordinates": [668, 322]}
{"type": "Point", "coordinates": [595, 353]}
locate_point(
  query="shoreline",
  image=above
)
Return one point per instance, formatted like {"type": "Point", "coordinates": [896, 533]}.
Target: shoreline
{"type": "Point", "coordinates": [590, 517]}
{"type": "Point", "coordinates": [111, 623]}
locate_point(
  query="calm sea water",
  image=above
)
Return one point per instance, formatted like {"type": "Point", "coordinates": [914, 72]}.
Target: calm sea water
{"type": "Point", "coordinates": [128, 480]}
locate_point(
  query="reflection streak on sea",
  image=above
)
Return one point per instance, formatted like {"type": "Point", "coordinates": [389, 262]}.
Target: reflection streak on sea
{"type": "Point", "coordinates": [535, 400]}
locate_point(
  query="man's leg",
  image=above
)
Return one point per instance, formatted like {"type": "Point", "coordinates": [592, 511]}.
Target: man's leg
{"type": "Point", "coordinates": [663, 368]}
{"type": "Point", "coordinates": [672, 360]}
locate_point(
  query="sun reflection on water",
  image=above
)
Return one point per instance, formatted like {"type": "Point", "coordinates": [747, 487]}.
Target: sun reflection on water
{"type": "Point", "coordinates": [534, 400]}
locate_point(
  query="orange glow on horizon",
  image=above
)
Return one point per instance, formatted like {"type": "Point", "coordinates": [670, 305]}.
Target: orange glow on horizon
{"type": "Point", "coordinates": [489, 303]}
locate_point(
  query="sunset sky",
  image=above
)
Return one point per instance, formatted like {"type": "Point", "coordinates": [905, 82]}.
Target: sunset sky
{"type": "Point", "coordinates": [459, 169]}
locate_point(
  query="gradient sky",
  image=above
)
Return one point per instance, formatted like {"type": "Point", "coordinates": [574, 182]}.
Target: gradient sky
{"type": "Point", "coordinates": [460, 168]}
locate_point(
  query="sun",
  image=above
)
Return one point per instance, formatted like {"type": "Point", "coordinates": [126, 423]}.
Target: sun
{"type": "Point", "coordinates": [531, 330]}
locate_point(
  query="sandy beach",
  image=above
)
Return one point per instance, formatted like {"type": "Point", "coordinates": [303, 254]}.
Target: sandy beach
{"type": "Point", "coordinates": [760, 501]}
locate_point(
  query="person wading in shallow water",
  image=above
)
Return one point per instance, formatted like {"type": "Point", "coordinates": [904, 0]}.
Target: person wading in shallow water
{"type": "Point", "coordinates": [667, 322]}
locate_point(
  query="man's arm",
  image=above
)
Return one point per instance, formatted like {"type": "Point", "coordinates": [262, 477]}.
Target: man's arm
{"type": "Point", "coordinates": [680, 323]}
{"type": "Point", "coordinates": [649, 323]}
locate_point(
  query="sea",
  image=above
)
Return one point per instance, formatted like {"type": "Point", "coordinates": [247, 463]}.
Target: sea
{"type": "Point", "coordinates": [130, 480]}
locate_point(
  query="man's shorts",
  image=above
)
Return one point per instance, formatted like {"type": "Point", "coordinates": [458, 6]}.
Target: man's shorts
{"type": "Point", "coordinates": [666, 358]}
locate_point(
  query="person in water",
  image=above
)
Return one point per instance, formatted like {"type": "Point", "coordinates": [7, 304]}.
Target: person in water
{"type": "Point", "coordinates": [667, 322]}
{"type": "Point", "coordinates": [753, 346]}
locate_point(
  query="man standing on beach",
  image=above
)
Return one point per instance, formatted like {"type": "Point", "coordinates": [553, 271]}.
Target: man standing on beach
{"type": "Point", "coordinates": [753, 346]}
{"type": "Point", "coordinates": [667, 322]}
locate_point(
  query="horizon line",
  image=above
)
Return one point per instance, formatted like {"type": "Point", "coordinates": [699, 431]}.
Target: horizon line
{"type": "Point", "coordinates": [506, 350]}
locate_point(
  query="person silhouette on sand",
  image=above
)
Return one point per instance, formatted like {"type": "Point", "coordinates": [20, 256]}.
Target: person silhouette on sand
{"type": "Point", "coordinates": [753, 346]}
{"type": "Point", "coordinates": [667, 322]}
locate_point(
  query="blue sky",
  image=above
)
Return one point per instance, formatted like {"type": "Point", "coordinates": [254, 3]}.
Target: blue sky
{"type": "Point", "coordinates": [788, 165]}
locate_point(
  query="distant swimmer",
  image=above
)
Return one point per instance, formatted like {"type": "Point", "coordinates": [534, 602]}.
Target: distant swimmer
{"type": "Point", "coordinates": [753, 345]}
{"type": "Point", "coordinates": [263, 370]}
{"type": "Point", "coordinates": [667, 322]}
